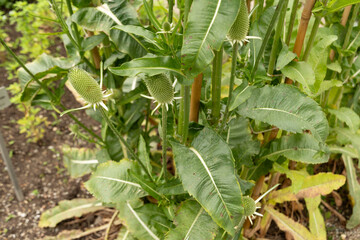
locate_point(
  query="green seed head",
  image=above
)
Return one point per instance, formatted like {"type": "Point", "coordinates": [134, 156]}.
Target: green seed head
{"type": "Point", "coordinates": [85, 85]}
{"type": "Point", "coordinates": [166, 26]}
{"type": "Point", "coordinates": [249, 206]}
{"type": "Point", "coordinates": [160, 88]}
{"type": "Point", "coordinates": [240, 27]}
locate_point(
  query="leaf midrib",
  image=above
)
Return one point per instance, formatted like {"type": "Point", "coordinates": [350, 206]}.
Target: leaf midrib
{"type": "Point", "coordinates": [211, 178]}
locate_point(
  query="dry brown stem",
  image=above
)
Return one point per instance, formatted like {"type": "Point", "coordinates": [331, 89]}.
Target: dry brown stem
{"type": "Point", "coordinates": [195, 98]}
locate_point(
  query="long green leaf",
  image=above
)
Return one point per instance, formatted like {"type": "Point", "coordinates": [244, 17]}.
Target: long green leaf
{"type": "Point", "coordinates": [299, 147]}
{"type": "Point", "coordinates": [298, 231]}
{"type": "Point", "coordinates": [150, 65]}
{"type": "Point", "coordinates": [147, 222]}
{"type": "Point", "coordinates": [143, 154]}
{"type": "Point", "coordinates": [241, 143]}
{"type": "Point", "coordinates": [41, 67]}
{"type": "Point", "coordinates": [348, 116]}
{"type": "Point", "coordinates": [287, 108]}
{"type": "Point", "coordinates": [67, 209]}
{"type": "Point", "coordinates": [207, 172]}
{"type": "Point", "coordinates": [192, 222]}
{"type": "Point", "coordinates": [103, 19]}
{"type": "Point", "coordinates": [316, 220]}
{"type": "Point", "coordinates": [146, 34]}
{"type": "Point", "coordinates": [209, 22]}
{"type": "Point", "coordinates": [111, 182]}
{"type": "Point", "coordinates": [302, 73]}
{"type": "Point", "coordinates": [354, 189]}
{"type": "Point", "coordinates": [79, 161]}
{"type": "Point", "coordinates": [318, 58]}
{"type": "Point", "coordinates": [336, 5]}
{"type": "Point", "coordinates": [124, 234]}
{"type": "Point", "coordinates": [285, 57]}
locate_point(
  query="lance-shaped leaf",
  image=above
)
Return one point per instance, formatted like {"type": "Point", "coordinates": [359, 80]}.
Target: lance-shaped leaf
{"type": "Point", "coordinates": [285, 57]}
{"type": "Point", "coordinates": [79, 161]}
{"type": "Point", "coordinates": [345, 136]}
{"type": "Point", "coordinates": [147, 222]}
{"type": "Point", "coordinates": [192, 222]}
{"type": "Point", "coordinates": [299, 147]}
{"type": "Point", "coordinates": [287, 108]}
{"type": "Point", "coordinates": [348, 116]}
{"type": "Point", "coordinates": [298, 231]}
{"type": "Point", "coordinates": [150, 65]}
{"type": "Point", "coordinates": [103, 19]}
{"type": "Point", "coordinates": [209, 22]}
{"type": "Point", "coordinates": [241, 94]}
{"type": "Point", "coordinates": [207, 172]}
{"type": "Point", "coordinates": [124, 234]}
{"type": "Point", "coordinates": [143, 154]}
{"type": "Point", "coordinates": [316, 220]}
{"type": "Point", "coordinates": [41, 67]}
{"type": "Point", "coordinates": [347, 150]}
{"type": "Point", "coordinates": [111, 182]}
{"type": "Point", "coordinates": [139, 31]}
{"type": "Point", "coordinates": [241, 143]}
{"type": "Point", "coordinates": [302, 73]}
{"type": "Point", "coordinates": [318, 58]}
{"type": "Point", "coordinates": [336, 5]}
{"type": "Point", "coordinates": [67, 209]}
{"type": "Point", "coordinates": [354, 189]}
{"type": "Point", "coordinates": [312, 186]}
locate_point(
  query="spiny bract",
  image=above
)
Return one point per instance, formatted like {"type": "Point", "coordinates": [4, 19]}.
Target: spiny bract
{"type": "Point", "coordinates": [240, 27]}
{"type": "Point", "coordinates": [160, 88]}
{"type": "Point", "coordinates": [249, 206]}
{"type": "Point", "coordinates": [85, 85]}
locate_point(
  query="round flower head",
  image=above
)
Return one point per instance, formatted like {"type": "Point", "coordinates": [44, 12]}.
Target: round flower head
{"type": "Point", "coordinates": [161, 90]}
{"type": "Point", "coordinates": [250, 207]}
{"type": "Point", "coordinates": [87, 87]}
{"type": "Point", "coordinates": [239, 29]}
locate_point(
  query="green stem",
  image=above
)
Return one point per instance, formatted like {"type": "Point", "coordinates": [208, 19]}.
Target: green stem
{"type": "Point", "coordinates": [266, 38]}
{"type": "Point", "coordinates": [171, 7]}
{"type": "Point", "coordinates": [46, 90]}
{"type": "Point", "coordinates": [239, 228]}
{"type": "Point", "coordinates": [121, 139]}
{"type": "Point", "coordinates": [292, 21]}
{"type": "Point", "coordinates": [91, 132]}
{"type": "Point", "coordinates": [185, 113]}
{"type": "Point", "coordinates": [278, 32]}
{"type": "Point", "coordinates": [216, 85]}
{"type": "Point", "coordinates": [164, 129]}
{"type": "Point", "coordinates": [312, 37]}
{"type": "Point", "coordinates": [77, 34]}
{"type": "Point", "coordinates": [259, 10]}
{"type": "Point", "coordinates": [231, 84]}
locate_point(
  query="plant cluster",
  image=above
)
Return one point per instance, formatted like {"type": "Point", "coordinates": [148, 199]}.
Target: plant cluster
{"type": "Point", "coordinates": [240, 102]}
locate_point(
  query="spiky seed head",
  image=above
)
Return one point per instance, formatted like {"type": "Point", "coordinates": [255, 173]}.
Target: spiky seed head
{"type": "Point", "coordinates": [240, 27]}
{"type": "Point", "coordinates": [249, 206]}
{"type": "Point", "coordinates": [166, 26]}
{"type": "Point", "coordinates": [85, 85]}
{"type": "Point", "coordinates": [160, 88]}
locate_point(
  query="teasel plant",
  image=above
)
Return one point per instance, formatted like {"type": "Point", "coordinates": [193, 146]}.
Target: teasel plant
{"type": "Point", "coordinates": [244, 135]}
